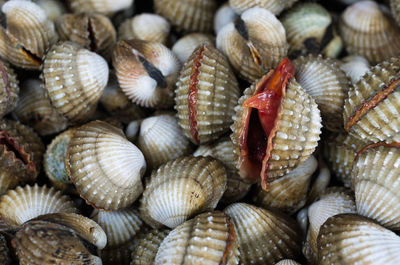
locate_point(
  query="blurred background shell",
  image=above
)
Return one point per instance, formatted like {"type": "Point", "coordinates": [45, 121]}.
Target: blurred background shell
{"type": "Point", "coordinates": [9, 89]}
{"type": "Point", "coordinates": [106, 7]}
{"type": "Point", "coordinates": [355, 67]}
{"type": "Point", "coordinates": [185, 46]}
{"type": "Point", "coordinates": [395, 8]}
{"type": "Point", "coordinates": [274, 6]}
{"type": "Point", "coordinates": [53, 8]}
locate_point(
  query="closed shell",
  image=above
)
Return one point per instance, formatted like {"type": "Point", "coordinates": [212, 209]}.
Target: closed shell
{"type": "Point", "coordinates": [274, 6]}
{"type": "Point", "coordinates": [146, 249]}
{"type": "Point", "coordinates": [9, 89]}
{"type": "Point", "coordinates": [107, 7]}
{"type": "Point", "coordinates": [185, 46]}
{"type": "Point", "coordinates": [355, 67]}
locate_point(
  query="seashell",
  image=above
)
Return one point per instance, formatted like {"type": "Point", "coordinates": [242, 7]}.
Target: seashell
{"type": "Point", "coordinates": [355, 67]}
{"type": "Point", "coordinates": [95, 32]}
{"type": "Point", "coordinates": [302, 219]}
{"type": "Point", "coordinates": [146, 249]}
{"type": "Point", "coordinates": [264, 237]}
{"type": "Point", "coordinates": [74, 79]}
{"type": "Point", "coordinates": [146, 26]}
{"type": "Point", "coordinates": [309, 29]}
{"type": "Point", "coordinates": [289, 193]}
{"type": "Point", "coordinates": [106, 7]}
{"type": "Point", "coordinates": [287, 262]}
{"type": "Point", "coordinates": [147, 72]}
{"type": "Point", "coordinates": [369, 32]}
{"type": "Point", "coordinates": [161, 139]}
{"type": "Point", "coordinates": [34, 108]}
{"type": "Point", "coordinates": [182, 188]}
{"type": "Point", "coordinates": [321, 182]}
{"type": "Point", "coordinates": [28, 35]}
{"type": "Point", "coordinates": [53, 8]}
{"type": "Point", "coordinates": [41, 242]}
{"type": "Point", "coordinates": [336, 200]}
{"type": "Point", "coordinates": [185, 46]}
{"type": "Point", "coordinates": [104, 166]}
{"type": "Point", "coordinates": [207, 239]}
{"type": "Point", "coordinates": [224, 15]}
{"type": "Point", "coordinates": [274, 6]}
{"type": "Point", "coordinates": [293, 136]}
{"type": "Point", "coordinates": [327, 84]}
{"type": "Point", "coordinates": [372, 105]}
{"type": "Point", "coordinates": [9, 89]}
{"type": "Point", "coordinates": [206, 94]}
{"type": "Point", "coordinates": [22, 204]}
{"type": "Point", "coordinates": [132, 130]}
{"type": "Point", "coordinates": [395, 8]}
{"type": "Point", "coordinates": [253, 43]}
{"type": "Point", "coordinates": [188, 15]}
{"type": "Point", "coordinates": [21, 152]}
{"type": "Point", "coordinates": [4, 251]}
{"type": "Point", "coordinates": [349, 239]}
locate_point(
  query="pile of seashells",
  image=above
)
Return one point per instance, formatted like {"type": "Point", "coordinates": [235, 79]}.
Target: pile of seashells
{"type": "Point", "coordinates": [199, 132]}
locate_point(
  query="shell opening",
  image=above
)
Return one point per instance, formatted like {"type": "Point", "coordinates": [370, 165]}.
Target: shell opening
{"type": "Point", "coordinates": [31, 56]}
{"type": "Point", "coordinates": [153, 72]}
{"type": "Point", "coordinates": [92, 36]}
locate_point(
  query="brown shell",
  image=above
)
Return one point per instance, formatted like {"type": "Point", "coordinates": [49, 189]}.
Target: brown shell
{"type": "Point", "coordinates": [4, 251]}
{"type": "Point", "coordinates": [274, 6]}
{"type": "Point", "coordinates": [9, 89]}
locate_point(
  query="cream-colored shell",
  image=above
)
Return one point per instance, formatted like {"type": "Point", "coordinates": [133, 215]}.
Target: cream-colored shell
{"type": "Point", "coordinates": [224, 15]}
{"type": "Point", "coordinates": [146, 249]}
{"type": "Point", "coordinates": [355, 67]}
{"type": "Point", "coordinates": [274, 6]}
{"type": "Point", "coordinates": [185, 46]}
{"type": "Point", "coordinates": [107, 7]}
{"type": "Point", "coordinates": [9, 89]}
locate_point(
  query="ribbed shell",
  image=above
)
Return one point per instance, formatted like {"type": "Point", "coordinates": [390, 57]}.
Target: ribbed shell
{"type": "Point", "coordinates": [9, 89]}
{"type": "Point", "coordinates": [188, 15]}
{"type": "Point", "coordinates": [274, 6]}
{"type": "Point", "coordinates": [161, 139]}
{"type": "Point", "coordinates": [185, 46]}
{"type": "Point", "coordinates": [40, 242]}
{"type": "Point", "coordinates": [93, 31]}
{"type": "Point", "coordinates": [327, 84]}
{"type": "Point", "coordinates": [254, 43]}
{"type": "Point", "coordinates": [206, 95]}
{"type": "Point", "coordinates": [4, 251]}
{"type": "Point", "coordinates": [224, 15]}
{"type": "Point", "coordinates": [22, 204]}
{"type": "Point", "coordinates": [355, 67]}
{"type": "Point", "coordinates": [74, 79]}
{"type": "Point", "coordinates": [181, 188]}
{"type": "Point", "coordinates": [395, 8]}
{"type": "Point", "coordinates": [107, 7]}
{"type": "Point", "coordinates": [146, 249]}
{"type": "Point", "coordinates": [146, 26]}
{"type": "Point", "coordinates": [288, 193]}
{"type": "Point", "coordinates": [104, 166]}
{"type": "Point", "coordinates": [34, 108]}
{"type": "Point", "coordinates": [264, 237]}
{"type": "Point", "coordinates": [207, 239]}
{"type": "Point", "coordinates": [287, 262]}
{"type": "Point", "coordinates": [368, 31]}
{"type": "Point", "coordinates": [146, 72]}
{"type": "Point", "coordinates": [375, 97]}
{"type": "Point", "coordinates": [353, 239]}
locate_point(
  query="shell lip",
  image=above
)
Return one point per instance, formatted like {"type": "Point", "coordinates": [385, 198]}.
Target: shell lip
{"type": "Point", "coordinates": [375, 145]}
{"type": "Point", "coordinates": [230, 243]}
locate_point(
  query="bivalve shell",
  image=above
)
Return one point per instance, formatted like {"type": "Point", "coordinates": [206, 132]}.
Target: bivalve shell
{"type": "Point", "coordinates": [9, 89]}
{"type": "Point", "coordinates": [224, 15]}
{"type": "Point", "coordinates": [107, 7]}
{"type": "Point", "coordinates": [355, 67]}
{"type": "Point", "coordinates": [185, 46]}
{"type": "Point", "coordinates": [274, 6]}
{"type": "Point", "coordinates": [287, 262]}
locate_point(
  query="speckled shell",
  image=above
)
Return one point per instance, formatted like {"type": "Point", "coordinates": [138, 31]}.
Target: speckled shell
{"type": "Point", "coordinates": [188, 15]}
{"type": "Point", "coordinates": [40, 242]}
{"type": "Point", "coordinates": [4, 251]}
{"type": "Point", "coordinates": [327, 84]}
{"type": "Point", "coordinates": [161, 139]}
{"type": "Point", "coordinates": [182, 188]}
{"type": "Point", "coordinates": [224, 15]}
{"type": "Point", "coordinates": [395, 8]}
{"type": "Point", "coordinates": [146, 26]}
{"type": "Point", "coordinates": [206, 95]}
{"type": "Point", "coordinates": [26, 164]}
{"type": "Point", "coordinates": [9, 89]}
{"type": "Point", "coordinates": [264, 237]}
{"type": "Point", "coordinates": [146, 72]}
{"type": "Point", "coordinates": [107, 7]}
{"type": "Point", "coordinates": [22, 204]}
{"type": "Point", "coordinates": [34, 108]}
{"type": "Point", "coordinates": [29, 33]}
{"type": "Point", "coordinates": [74, 79]}
{"type": "Point", "coordinates": [349, 239]}
{"type": "Point", "coordinates": [146, 249]}
{"type": "Point", "coordinates": [207, 239]}
{"type": "Point", "coordinates": [93, 31]}
{"type": "Point", "coordinates": [355, 67]}
{"type": "Point", "coordinates": [309, 29]}
{"type": "Point", "coordinates": [368, 31]}
{"type": "Point", "coordinates": [287, 262]}
{"type": "Point", "coordinates": [373, 104]}
{"type": "Point", "coordinates": [254, 43]}
{"type": "Point", "coordinates": [274, 6]}
{"type": "Point", "coordinates": [288, 193]}
{"type": "Point", "coordinates": [185, 46]}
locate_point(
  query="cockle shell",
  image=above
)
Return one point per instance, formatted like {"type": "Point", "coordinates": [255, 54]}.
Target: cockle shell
{"type": "Point", "coordinates": [264, 237]}
{"type": "Point", "coordinates": [182, 188]}
{"type": "Point", "coordinates": [146, 72]}
{"type": "Point", "coordinates": [355, 67]}
{"type": "Point", "coordinates": [395, 8]}
{"type": "Point", "coordinates": [353, 239]}
{"type": "Point", "coordinates": [368, 31]}
{"type": "Point", "coordinates": [185, 46]}
{"type": "Point", "coordinates": [373, 104]}
{"type": "Point", "coordinates": [224, 15]}
{"type": "Point", "coordinates": [107, 7]}
{"type": "Point", "coordinates": [274, 6]}
{"type": "Point", "coordinates": [287, 262]}
{"type": "Point", "coordinates": [28, 35]}
{"type": "Point", "coordinates": [74, 79]}
{"type": "Point", "coordinates": [254, 42]}
{"type": "Point", "coordinates": [206, 95]}
{"type": "Point", "coordinates": [207, 239]}
{"type": "Point", "coordinates": [188, 15]}
{"type": "Point", "coordinates": [9, 89]}
{"type": "Point", "coordinates": [4, 251]}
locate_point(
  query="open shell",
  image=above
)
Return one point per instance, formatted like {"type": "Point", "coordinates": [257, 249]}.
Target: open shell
{"type": "Point", "coordinates": [355, 67]}
{"type": "Point", "coordinates": [9, 89]}
{"type": "Point", "coordinates": [185, 46]}
{"type": "Point", "coordinates": [274, 6]}
{"type": "Point", "coordinates": [107, 7]}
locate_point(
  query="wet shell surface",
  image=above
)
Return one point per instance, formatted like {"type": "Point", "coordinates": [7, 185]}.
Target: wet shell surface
{"type": "Point", "coordinates": [206, 95]}
{"type": "Point", "coordinates": [264, 237]}
{"type": "Point", "coordinates": [4, 251]}
{"type": "Point", "coordinates": [350, 239]}
{"type": "Point", "coordinates": [182, 188]}
{"type": "Point", "coordinates": [9, 89]}
{"type": "Point", "coordinates": [373, 104]}
{"type": "Point", "coordinates": [147, 72]}
{"type": "Point", "coordinates": [255, 42]}
{"type": "Point", "coordinates": [355, 67]}
{"type": "Point", "coordinates": [107, 7]}
{"type": "Point", "coordinates": [74, 79]}
{"type": "Point", "coordinates": [224, 15]}
{"type": "Point", "coordinates": [188, 15]}
{"type": "Point", "coordinates": [207, 239]}
{"type": "Point", "coordinates": [274, 6]}
{"type": "Point", "coordinates": [367, 31]}
{"type": "Point", "coordinates": [185, 46]}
